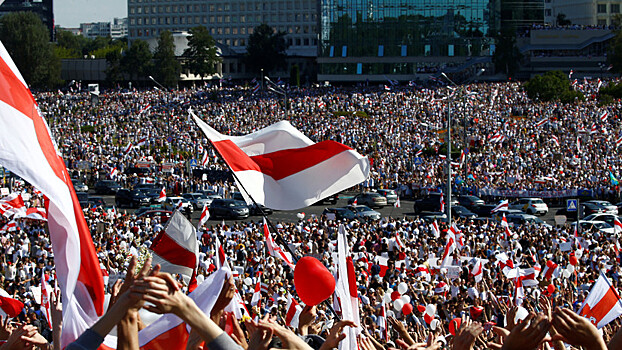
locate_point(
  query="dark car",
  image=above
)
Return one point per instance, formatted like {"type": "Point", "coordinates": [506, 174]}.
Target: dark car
{"type": "Point", "coordinates": [484, 210]}
{"type": "Point", "coordinates": [340, 213]}
{"type": "Point", "coordinates": [153, 194]}
{"type": "Point", "coordinates": [258, 209]}
{"type": "Point", "coordinates": [83, 198]}
{"type": "Point", "coordinates": [462, 212]}
{"type": "Point", "coordinates": [587, 208]}
{"type": "Point", "coordinates": [131, 198]}
{"type": "Point", "coordinates": [469, 201]}
{"type": "Point", "coordinates": [107, 187]}
{"type": "Point", "coordinates": [431, 203]}
{"type": "Point", "coordinates": [97, 202]}
{"type": "Point", "coordinates": [162, 215]}
{"type": "Point", "coordinates": [228, 209]}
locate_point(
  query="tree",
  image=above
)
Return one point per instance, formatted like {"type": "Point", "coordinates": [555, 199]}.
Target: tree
{"type": "Point", "coordinates": [265, 49]}
{"type": "Point", "coordinates": [137, 60]}
{"type": "Point", "coordinates": [69, 45]}
{"type": "Point", "coordinates": [201, 52]}
{"type": "Point", "coordinates": [553, 85]}
{"type": "Point", "coordinates": [506, 57]}
{"type": "Point", "coordinates": [113, 71]}
{"type": "Point", "coordinates": [168, 68]}
{"type": "Point", "coordinates": [27, 41]}
{"type": "Point", "coordinates": [615, 54]}
{"type": "Point", "coordinates": [294, 75]}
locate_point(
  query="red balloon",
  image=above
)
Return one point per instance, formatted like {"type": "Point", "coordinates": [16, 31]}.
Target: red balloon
{"type": "Point", "coordinates": [550, 263]}
{"type": "Point", "coordinates": [313, 282]}
{"type": "Point", "coordinates": [454, 325]}
{"type": "Point", "coordinates": [395, 295]}
{"type": "Point", "coordinates": [407, 309]}
{"type": "Point", "coordinates": [421, 308]}
{"type": "Point", "coordinates": [551, 288]}
{"type": "Point", "coordinates": [574, 261]}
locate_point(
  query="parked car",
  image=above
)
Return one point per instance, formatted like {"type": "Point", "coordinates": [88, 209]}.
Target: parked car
{"type": "Point", "coordinates": [469, 201]}
{"type": "Point", "coordinates": [198, 199]}
{"type": "Point", "coordinates": [390, 195]}
{"type": "Point", "coordinates": [431, 203]}
{"type": "Point", "coordinates": [484, 210]}
{"type": "Point", "coordinates": [229, 209]}
{"type": "Point", "coordinates": [258, 209]}
{"type": "Point", "coordinates": [162, 215]}
{"type": "Point", "coordinates": [147, 187]}
{"type": "Point", "coordinates": [364, 213]}
{"type": "Point", "coordinates": [608, 218]}
{"type": "Point", "coordinates": [431, 216]}
{"type": "Point", "coordinates": [462, 212]}
{"type": "Point", "coordinates": [107, 187]}
{"type": "Point", "coordinates": [524, 219]}
{"type": "Point", "coordinates": [131, 198]}
{"type": "Point", "coordinates": [534, 206]}
{"type": "Point", "coordinates": [606, 205]}
{"type": "Point", "coordinates": [587, 208]}
{"type": "Point", "coordinates": [171, 204]}
{"type": "Point", "coordinates": [340, 213]}
{"type": "Point", "coordinates": [97, 202]}
{"type": "Point", "coordinates": [370, 199]}
{"type": "Point", "coordinates": [79, 186]}
{"type": "Point", "coordinates": [589, 225]}
{"type": "Point", "coordinates": [83, 199]}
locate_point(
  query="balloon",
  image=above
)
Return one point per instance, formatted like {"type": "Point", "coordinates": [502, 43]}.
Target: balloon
{"type": "Point", "coordinates": [578, 253]}
{"type": "Point", "coordinates": [248, 281]}
{"type": "Point", "coordinates": [386, 298]}
{"type": "Point", "coordinates": [566, 273]}
{"type": "Point", "coordinates": [428, 318]}
{"type": "Point", "coordinates": [476, 311]}
{"type": "Point", "coordinates": [573, 260]}
{"type": "Point", "coordinates": [300, 216]}
{"type": "Point", "coordinates": [395, 295]}
{"type": "Point", "coordinates": [402, 288]}
{"type": "Point", "coordinates": [454, 325]}
{"type": "Point", "coordinates": [434, 324]}
{"type": "Point", "coordinates": [389, 290]}
{"type": "Point", "coordinates": [421, 308]}
{"type": "Point", "coordinates": [430, 309]}
{"type": "Point", "coordinates": [521, 314]}
{"type": "Point", "coordinates": [407, 309]}
{"type": "Point", "coordinates": [398, 304]}
{"type": "Point", "coordinates": [551, 288]}
{"type": "Point", "coordinates": [405, 299]}
{"type": "Point", "coordinates": [550, 264]}
{"type": "Point", "coordinates": [313, 282]}
{"type": "Point", "coordinates": [570, 269]}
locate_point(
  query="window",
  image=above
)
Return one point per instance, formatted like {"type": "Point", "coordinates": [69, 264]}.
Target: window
{"type": "Point", "coordinates": [601, 8]}
{"type": "Point", "coordinates": [547, 12]}
{"type": "Point", "coordinates": [601, 22]}
{"type": "Point", "coordinates": [615, 8]}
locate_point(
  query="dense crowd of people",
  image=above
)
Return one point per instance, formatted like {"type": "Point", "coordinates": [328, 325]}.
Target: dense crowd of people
{"type": "Point", "coordinates": [501, 288]}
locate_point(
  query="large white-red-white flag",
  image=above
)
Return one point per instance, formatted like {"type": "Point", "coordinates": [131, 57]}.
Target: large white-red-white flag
{"type": "Point", "coordinates": [274, 249]}
{"type": "Point", "coordinates": [603, 304]}
{"type": "Point", "coordinates": [28, 151]}
{"type": "Point", "coordinates": [13, 204]}
{"type": "Point", "coordinates": [283, 169]}
{"type": "Point", "coordinates": [347, 291]}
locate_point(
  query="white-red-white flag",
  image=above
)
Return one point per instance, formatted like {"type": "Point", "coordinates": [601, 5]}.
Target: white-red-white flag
{"type": "Point", "coordinates": [603, 304]}
{"type": "Point", "coordinates": [506, 227]}
{"type": "Point", "coordinates": [603, 116]}
{"type": "Point", "coordinates": [162, 196]}
{"type": "Point", "coordinates": [274, 249]}
{"type": "Point", "coordinates": [204, 217]}
{"type": "Point", "coordinates": [478, 270]}
{"type": "Point", "coordinates": [13, 204]}
{"type": "Point", "coordinates": [204, 159]}
{"type": "Point", "coordinates": [28, 151]}
{"type": "Point", "coordinates": [502, 206]}
{"type": "Point", "coordinates": [397, 203]}
{"type": "Point", "coordinates": [435, 230]}
{"type": "Point", "coordinates": [617, 225]}
{"type": "Point", "coordinates": [555, 140]}
{"type": "Point", "coordinates": [141, 142]}
{"type": "Point", "coordinates": [283, 169]}
{"type": "Point", "coordinates": [256, 299]}
{"type": "Point", "coordinates": [128, 148]}
{"type": "Point", "coordinates": [346, 290]}
{"type": "Point", "coordinates": [292, 314]}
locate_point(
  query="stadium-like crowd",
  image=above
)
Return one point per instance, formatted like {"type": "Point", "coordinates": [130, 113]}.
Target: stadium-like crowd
{"type": "Point", "coordinates": [521, 289]}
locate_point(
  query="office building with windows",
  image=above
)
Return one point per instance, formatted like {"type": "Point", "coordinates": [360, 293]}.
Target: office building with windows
{"type": "Point", "coordinates": [43, 8]}
{"type": "Point", "coordinates": [584, 12]}
{"type": "Point", "coordinates": [116, 29]}
{"type": "Point", "coordinates": [372, 40]}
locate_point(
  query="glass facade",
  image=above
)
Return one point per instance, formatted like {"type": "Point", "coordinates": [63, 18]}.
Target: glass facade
{"type": "Point", "coordinates": [387, 32]}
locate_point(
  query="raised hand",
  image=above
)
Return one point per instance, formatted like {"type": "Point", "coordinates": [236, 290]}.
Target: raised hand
{"type": "Point", "coordinates": [577, 330]}
{"type": "Point", "coordinates": [467, 336]}
{"type": "Point", "coordinates": [335, 336]}
{"type": "Point", "coordinates": [528, 334]}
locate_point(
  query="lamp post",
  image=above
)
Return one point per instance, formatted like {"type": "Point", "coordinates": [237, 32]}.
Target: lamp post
{"type": "Point", "coordinates": [168, 120]}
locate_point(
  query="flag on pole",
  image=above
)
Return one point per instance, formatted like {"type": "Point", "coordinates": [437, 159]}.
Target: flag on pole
{"type": "Point", "coordinates": [204, 217]}
{"type": "Point", "coordinates": [45, 297]}
{"type": "Point", "coordinates": [128, 148]}
{"type": "Point", "coordinates": [28, 151]}
{"type": "Point", "coordinates": [144, 109]}
{"type": "Point", "coordinates": [293, 312]}
{"type": "Point", "coordinates": [176, 247]}
{"type": "Point", "coordinates": [141, 142]}
{"type": "Point", "coordinates": [397, 203]}
{"type": "Point", "coordinates": [162, 196]}
{"type": "Point", "coordinates": [502, 206]}
{"type": "Point", "coordinates": [555, 140]}
{"type": "Point", "coordinates": [506, 227]}
{"type": "Point", "coordinates": [347, 291]}
{"type": "Point", "coordinates": [617, 225]}
{"type": "Point", "coordinates": [274, 249]}
{"type": "Point", "coordinates": [442, 203]}
{"type": "Point", "coordinates": [435, 230]}
{"type": "Point", "coordinates": [256, 299]}
{"type": "Point", "coordinates": [283, 169]}
{"type": "Point", "coordinates": [13, 204]}
{"type": "Point", "coordinates": [204, 159]}
{"type": "Point", "coordinates": [603, 116]}
{"type": "Point", "coordinates": [602, 304]}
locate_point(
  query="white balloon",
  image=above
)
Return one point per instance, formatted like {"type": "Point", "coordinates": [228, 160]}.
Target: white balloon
{"type": "Point", "coordinates": [402, 288]}
{"type": "Point", "coordinates": [430, 309]}
{"type": "Point", "coordinates": [398, 304]}
{"type": "Point", "coordinates": [386, 298]}
{"type": "Point", "coordinates": [434, 324]}
{"type": "Point", "coordinates": [248, 281]}
{"type": "Point", "coordinates": [405, 299]}
{"type": "Point", "coordinates": [389, 291]}
{"type": "Point", "coordinates": [570, 268]}
{"type": "Point", "coordinates": [200, 279]}
{"type": "Point", "coordinates": [566, 273]}
{"type": "Point", "coordinates": [521, 314]}
{"type": "Point", "coordinates": [300, 216]}
{"type": "Point", "coordinates": [578, 253]}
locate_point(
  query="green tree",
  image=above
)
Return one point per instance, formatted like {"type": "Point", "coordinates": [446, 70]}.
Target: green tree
{"type": "Point", "coordinates": [506, 57]}
{"type": "Point", "coordinates": [70, 45]}
{"type": "Point", "coordinates": [114, 71]}
{"type": "Point", "coordinates": [553, 85]}
{"type": "Point", "coordinates": [167, 67]}
{"type": "Point", "coordinates": [27, 41]}
{"type": "Point", "coordinates": [265, 49]}
{"type": "Point", "coordinates": [615, 53]}
{"type": "Point", "coordinates": [202, 56]}
{"type": "Point", "coordinates": [562, 20]}
{"type": "Point", "coordinates": [294, 75]}
{"type": "Point", "coordinates": [137, 60]}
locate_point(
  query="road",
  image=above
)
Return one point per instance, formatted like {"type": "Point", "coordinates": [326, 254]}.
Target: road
{"type": "Point", "coordinates": [406, 209]}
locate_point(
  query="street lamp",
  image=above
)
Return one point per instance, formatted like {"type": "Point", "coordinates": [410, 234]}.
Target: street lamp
{"type": "Point", "coordinates": [168, 120]}
{"type": "Point", "coordinates": [279, 90]}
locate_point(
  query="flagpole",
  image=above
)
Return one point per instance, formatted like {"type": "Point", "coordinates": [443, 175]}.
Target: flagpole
{"type": "Point", "coordinates": [278, 236]}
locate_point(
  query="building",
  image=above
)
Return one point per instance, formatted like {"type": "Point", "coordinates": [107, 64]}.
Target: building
{"type": "Point", "coordinates": [116, 29]}
{"type": "Point", "coordinates": [521, 14]}
{"type": "Point", "coordinates": [584, 12]}
{"type": "Point", "coordinates": [43, 8]}
{"type": "Point", "coordinates": [363, 40]}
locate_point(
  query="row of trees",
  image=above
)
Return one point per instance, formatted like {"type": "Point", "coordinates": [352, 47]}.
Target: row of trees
{"type": "Point", "coordinates": [27, 40]}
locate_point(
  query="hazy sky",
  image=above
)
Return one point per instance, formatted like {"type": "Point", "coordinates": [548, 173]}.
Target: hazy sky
{"type": "Point", "coordinates": [70, 13]}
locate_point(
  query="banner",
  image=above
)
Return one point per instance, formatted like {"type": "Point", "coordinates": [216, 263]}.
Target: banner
{"type": "Point", "coordinates": [537, 194]}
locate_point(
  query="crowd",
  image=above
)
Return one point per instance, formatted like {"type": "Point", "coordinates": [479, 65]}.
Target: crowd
{"type": "Point", "coordinates": [410, 294]}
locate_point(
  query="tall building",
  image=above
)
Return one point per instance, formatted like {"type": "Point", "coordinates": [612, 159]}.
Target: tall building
{"type": "Point", "coordinates": [584, 12]}
{"type": "Point", "coordinates": [43, 8]}
{"type": "Point", "coordinates": [116, 29]}
{"type": "Point", "coordinates": [379, 39]}
{"type": "Point", "coordinates": [521, 14]}
{"type": "Point", "coordinates": [229, 22]}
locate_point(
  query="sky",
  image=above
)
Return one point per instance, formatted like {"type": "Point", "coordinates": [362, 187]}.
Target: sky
{"type": "Point", "coordinates": [70, 13]}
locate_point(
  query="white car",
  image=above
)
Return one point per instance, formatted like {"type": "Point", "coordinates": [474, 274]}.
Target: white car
{"type": "Point", "coordinates": [533, 206]}
{"type": "Point", "coordinates": [607, 206]}
{"type": "Point", "coordinates": [599, 225]}
{"type": "Point", "coordinates": [172, 202]}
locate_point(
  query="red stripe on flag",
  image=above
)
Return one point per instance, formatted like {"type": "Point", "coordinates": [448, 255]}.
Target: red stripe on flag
{"type": "Point", "coordinates": [169, 250]}
{"type": "Point", "coordinates": [279, 164]}
{"type": "Point", "coordinates": [602, 308]}
{"type": "Point", "coordinates": [171, 339]}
